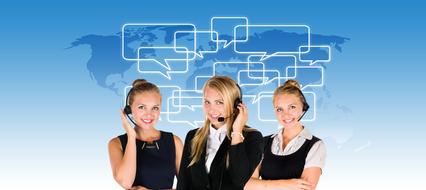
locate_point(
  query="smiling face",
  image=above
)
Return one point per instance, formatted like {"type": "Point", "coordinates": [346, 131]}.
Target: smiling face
{"type": "Point", "coordinates": [214, 106]}
{"type": "Point", "coordinates": [146, 109]}
{"type": "Point", "coordinates": [288, 109]}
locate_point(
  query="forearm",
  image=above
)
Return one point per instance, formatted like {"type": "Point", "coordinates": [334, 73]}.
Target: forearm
{"type": "Point", "coordinates": [259, 184]}
{"type": "Point", "coordinates": [126, 171]}
{"type": "Point", "coordinates": [244, 157]}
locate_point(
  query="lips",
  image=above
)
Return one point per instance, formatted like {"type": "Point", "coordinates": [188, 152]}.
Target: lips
{"type": "Point", "coordinates": [287, 121]}
{"type": "Point", "coordinates": [147, 121]}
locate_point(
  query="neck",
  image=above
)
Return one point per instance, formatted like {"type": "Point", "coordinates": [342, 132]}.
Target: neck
{"type": "Point", "coordinates": [148, 135]}
{"type": "Point", "coordinates": [290, 133]}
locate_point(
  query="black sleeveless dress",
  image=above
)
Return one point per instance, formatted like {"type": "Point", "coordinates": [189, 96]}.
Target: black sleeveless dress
{"type": "Point", "coordinates": [155, 162]}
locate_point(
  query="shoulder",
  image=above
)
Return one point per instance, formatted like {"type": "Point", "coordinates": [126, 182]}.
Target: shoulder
{"type": "Point", "coordinates": [177, 140]}
{"type": "Point", "coordinates": [190, 134]}
{"type": "Point", "coordinates": [252, 133]}
{"type": "Point", "coordinates": [114, 143]}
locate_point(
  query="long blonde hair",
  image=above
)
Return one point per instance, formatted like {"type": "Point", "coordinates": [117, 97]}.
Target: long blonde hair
{"type": "Point", "coordinates": [229, 91]}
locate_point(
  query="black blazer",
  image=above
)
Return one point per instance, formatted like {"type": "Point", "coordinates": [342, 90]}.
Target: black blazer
{"type": "Point", "coordinates": [243, 159]}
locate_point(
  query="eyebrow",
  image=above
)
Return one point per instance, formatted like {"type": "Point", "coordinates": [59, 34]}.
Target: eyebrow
{"type": "Point", "coordinates": [146, 105]}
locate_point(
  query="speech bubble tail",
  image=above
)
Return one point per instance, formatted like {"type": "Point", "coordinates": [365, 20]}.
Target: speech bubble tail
{"type": "Point", "coordinates": [312, 63]}
{"type": "Point", "coordinates": [256, 99]}
{"type": "Point", "coordinates": [227, 44]}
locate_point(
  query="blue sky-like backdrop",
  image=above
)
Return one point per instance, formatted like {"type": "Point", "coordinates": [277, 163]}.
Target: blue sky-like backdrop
{"type": "Point", "coordinates": [57, 116]}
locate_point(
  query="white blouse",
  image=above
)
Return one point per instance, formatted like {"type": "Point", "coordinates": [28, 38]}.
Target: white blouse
{"type": "Point", "coordinates": [215, 139]}
{"type": "Point", "coordinates": [316, 156]}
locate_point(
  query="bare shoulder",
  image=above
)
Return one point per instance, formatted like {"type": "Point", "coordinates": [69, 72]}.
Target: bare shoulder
{"type": "Point", "coordinates": [114, 143]}
{"type": "Point", "coordinates": [178, 141]}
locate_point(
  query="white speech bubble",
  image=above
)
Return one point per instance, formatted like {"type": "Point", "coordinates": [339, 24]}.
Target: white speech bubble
{"type": "Point", "coordinates": [197, 37]}
{"type": "Point", "coordinates": [162, 61]}
{"type": "Point", "coordinates": [304, 57]}
{"type": "Point", "coordinates": [265, 54]}
{"type": "Point", "coordinates": [199, 82]}
{"type": "Point", "coordinates": [190, 96]}
{"type": "Point", "coordinates": [300, 78]}
{"type": "Point", "coordinates": [215, 26]}
{"type": "Point", "coordinates": [144, 25]}
{"type": "Point", "coordinates": [185, 112]}
{"type": "Point", "coordinates": [270, 65]}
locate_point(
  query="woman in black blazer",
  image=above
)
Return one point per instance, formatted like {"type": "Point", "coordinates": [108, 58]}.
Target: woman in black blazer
{"type": "Point", "coordinates": [224, 152]}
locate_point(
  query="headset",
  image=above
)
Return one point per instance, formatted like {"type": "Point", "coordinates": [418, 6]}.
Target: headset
{"type": "Point", "coordinates": [305, 107]}
{"type": "Point", "coordinates": [237, 102]}
{"type": "Point", "coordinates": [127, 109]}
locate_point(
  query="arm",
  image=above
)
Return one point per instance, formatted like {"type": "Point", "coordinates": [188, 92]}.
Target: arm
{"type": "Point", "coordinates": [244, 157]}
{"type": "Point", "coordinates": [184, 178]}
{"type": "Point", "coordinates": [292, 184]}
{"type": "Point", "coordinates": [179, 149]}
{"type": "Point", "coordinates": [123, 166]}
{"type": "Point", "coordinates": [315, 161]}
{"type": "Point", "coordinates": [310, 175]}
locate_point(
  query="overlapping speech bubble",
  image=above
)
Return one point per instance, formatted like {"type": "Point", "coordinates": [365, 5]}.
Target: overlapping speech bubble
{"type": "Point", "coordinates": [270, 40]}
{"type": "Point", "coordinates": [224, 26]}
{"type": "Point", "coordinates": [316, 53]}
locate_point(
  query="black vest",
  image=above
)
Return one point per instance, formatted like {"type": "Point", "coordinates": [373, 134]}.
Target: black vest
{"type": "Point", "coordinates": [284, 167]}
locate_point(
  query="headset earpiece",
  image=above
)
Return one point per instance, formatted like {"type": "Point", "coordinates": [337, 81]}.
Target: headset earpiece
{"type": "Point", "coordinates": [239, 100]}
{"type": "Point", "coordinates": [127, 109]}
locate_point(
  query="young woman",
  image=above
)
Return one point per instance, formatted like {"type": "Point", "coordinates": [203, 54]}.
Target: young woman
{"type": "Point", "coordinates": [224, 152]}
{"type": "Point", "coordinates": [144, 157]}
{"type": "Point", "coordinates": [293, 157]}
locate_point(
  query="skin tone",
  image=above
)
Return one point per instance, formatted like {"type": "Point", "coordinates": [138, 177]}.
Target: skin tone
{"type": "Point", "coordinates": [146, 112]}
{"type": "Point", "coordinates": [214, 108]}
{"type": "Point", "coordinates": [288, 110]}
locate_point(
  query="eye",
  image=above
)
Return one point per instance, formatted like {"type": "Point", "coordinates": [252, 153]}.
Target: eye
{"type": "Point", "coordinates": [141, 107]}
{"type": "Point", "coordinates": [156, 108]}
{"type": "Point", "coordinates": [206, 102]}
{"type": "Point", "coordinates": [292, 107]}
{"type": "Point", "coordinates": [218, 102]}
{"type": "Point", "coordinates": [278, 109]}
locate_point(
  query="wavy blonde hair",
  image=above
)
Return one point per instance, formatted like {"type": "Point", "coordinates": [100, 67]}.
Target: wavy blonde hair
{"type": "Point", "coordinates": [229, 91]}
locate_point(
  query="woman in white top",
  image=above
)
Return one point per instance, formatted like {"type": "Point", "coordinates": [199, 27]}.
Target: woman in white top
{"type": "Point", "coordinates": [293, 158]}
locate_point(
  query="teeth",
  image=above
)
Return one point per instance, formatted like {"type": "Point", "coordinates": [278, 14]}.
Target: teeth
{"type": "Point", "coordinates": [147, 121]}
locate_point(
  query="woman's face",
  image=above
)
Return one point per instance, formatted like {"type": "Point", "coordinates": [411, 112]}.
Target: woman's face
{"type": "Point", "coordinates": [146, 109]}
{"type": "Point", "coordinates": [214, 107]}
{"type": "Point", "coordinates": [288, 109]}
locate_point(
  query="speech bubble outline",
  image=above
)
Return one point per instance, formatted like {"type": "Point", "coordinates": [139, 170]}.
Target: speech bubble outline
{"type": "Point", "coordinates": [265, 65]}
{"type": "Point", "coordinates": [308, 67]}
{"type": "Point", "coordinates": [195, 43]}
{"type": "Point", "coordinates": [191, 107]}
{"type": "Point", "coordinates": [312, 62]}
{"type": "Point", "coordinates": [264, 53]}
{"type": "Point", "coordinates": [212, 20]}
{"type": "Point", "coordinates": [192, 123]}
{"type": "Point", "coordinates": [167, 71]}
{"type": "Point", "coordinates": [149, 25]}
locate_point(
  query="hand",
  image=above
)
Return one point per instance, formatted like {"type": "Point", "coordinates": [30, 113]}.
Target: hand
{"type": "Point", "coordinates": [241, 119]}
{"type": "Point", "coordinates": [130, 131]}
{"type": "Point", "coordinates": [295, 184]}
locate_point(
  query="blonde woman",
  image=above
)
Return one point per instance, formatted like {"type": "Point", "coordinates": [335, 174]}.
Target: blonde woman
{"type": "Point", "coordinates": [293, 158]}
{"type": "Point", "coordinates": [144, 157]}
{"type": "Point", "coordinates": [224, 152]}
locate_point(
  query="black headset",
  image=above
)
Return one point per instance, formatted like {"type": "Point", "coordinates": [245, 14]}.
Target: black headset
{"type": "Point", "coordinates": [237, 102]}
{"type": "Point", "coordinates": [127, 109]}
{"type": "Point", "coordinates": [305, 107]}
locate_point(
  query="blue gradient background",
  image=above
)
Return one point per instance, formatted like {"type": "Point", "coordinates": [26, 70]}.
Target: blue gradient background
{"type": "Point", "coordinates": [56, 121]}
